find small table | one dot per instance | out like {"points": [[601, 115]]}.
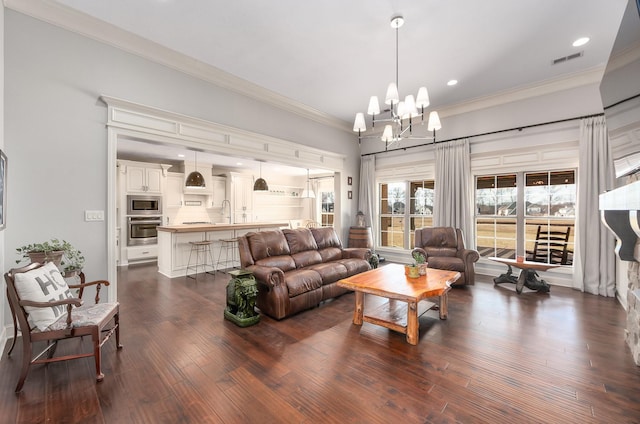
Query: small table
{"points": [[528, 276], [389, 281]]}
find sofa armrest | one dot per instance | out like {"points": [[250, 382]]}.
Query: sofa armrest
{"points": [[469, 256], [270, 276], [356, 252]]}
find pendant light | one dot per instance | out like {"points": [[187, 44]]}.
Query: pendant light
{"points": [[308, 193], [195, 179], [260, 184], [397, 127]]}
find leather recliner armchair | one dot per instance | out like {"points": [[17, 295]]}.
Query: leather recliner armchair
{"points": [[444, 249]]}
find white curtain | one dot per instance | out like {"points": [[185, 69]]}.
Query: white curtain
{"points": [[453, 181], [367, 191], [594, 258]]}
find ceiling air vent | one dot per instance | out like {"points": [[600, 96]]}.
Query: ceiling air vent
{"points": [[566, 58]]}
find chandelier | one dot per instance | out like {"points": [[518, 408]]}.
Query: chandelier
{"points": [[402, 114]]}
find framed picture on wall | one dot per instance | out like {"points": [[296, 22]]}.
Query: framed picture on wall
{"points": [[3, 190]]}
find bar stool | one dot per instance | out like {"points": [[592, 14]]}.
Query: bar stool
{"points": [[202, 250], [227, 245]]}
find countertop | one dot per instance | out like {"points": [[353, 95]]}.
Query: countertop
{"points": [[195, 228]]}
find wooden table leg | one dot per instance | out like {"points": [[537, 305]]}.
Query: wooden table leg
{"points": [[412, 323], [444, 305], [359, 310]]}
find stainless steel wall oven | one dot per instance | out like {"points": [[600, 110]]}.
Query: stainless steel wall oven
{"points": [[142, 230]]}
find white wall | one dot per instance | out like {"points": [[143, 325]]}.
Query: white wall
{"points": [[3, 267], [57, 140]]}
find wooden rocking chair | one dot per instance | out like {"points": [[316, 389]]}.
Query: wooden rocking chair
{"points": [[551, 246], [71, 319]]}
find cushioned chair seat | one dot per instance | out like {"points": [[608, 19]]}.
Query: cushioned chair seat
{"points": [[85, 316], [447, 263]]}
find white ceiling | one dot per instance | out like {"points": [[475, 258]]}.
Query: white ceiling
{"points": [[332, 55]]}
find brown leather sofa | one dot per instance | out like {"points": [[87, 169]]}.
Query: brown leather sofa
{"points": [[298, 268], [444, 249]]}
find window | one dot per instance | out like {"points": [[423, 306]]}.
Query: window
{"points": [[510, 208], [550, 199], [394, 215], [496, 206], [327, 206]]}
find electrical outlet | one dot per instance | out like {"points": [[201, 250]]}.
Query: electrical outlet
{"points": [[94, 215]]}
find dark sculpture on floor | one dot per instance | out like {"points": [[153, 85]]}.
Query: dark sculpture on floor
{"points": [[242, 292]]}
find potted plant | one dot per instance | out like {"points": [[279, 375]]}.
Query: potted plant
{"points": [[62, 253], [421, 262], [411, 270]]}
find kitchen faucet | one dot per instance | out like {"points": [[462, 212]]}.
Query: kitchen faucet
{"points": [[228, 203]]}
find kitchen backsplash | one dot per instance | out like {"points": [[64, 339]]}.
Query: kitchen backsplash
{"points": [[192, 214]]}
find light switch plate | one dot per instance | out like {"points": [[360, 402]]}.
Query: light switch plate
{"points": [[94, 215]]}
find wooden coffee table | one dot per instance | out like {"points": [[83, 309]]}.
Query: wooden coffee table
{"points": [[389, 281]]}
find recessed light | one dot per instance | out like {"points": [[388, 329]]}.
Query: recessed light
{"points": [[581, 41], [180, 155], [239, 163], [452, 82]]}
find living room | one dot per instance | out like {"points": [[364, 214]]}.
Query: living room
{"points": [[54, 132]]}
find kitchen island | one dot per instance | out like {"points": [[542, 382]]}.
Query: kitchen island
{"points": [[174, 247]]}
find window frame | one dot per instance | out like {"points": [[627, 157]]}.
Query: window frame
{"points": [[521, 216]]}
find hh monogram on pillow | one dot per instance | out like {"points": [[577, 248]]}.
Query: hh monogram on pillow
{"points": [[44, 284]]}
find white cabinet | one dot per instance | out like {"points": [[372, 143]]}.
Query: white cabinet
{"points": [[140, 177], [242, 198], [142, 253], [182, 248], [148, 180], [219, 187], [173, 190]]}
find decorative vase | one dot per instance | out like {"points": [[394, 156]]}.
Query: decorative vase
{"points": [[422, 269], [411, 271]]}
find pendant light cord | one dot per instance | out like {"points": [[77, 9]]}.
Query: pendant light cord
{"points": [[397, 58]]}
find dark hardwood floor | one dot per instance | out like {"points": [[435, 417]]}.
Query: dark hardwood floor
{"points": [[499, 358]]}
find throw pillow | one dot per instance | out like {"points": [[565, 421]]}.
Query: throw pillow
{"points": [[44, 284]]}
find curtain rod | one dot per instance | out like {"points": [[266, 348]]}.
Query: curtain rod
{"points": [[490, 132], [622, 101]]}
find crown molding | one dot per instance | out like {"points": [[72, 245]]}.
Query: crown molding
{"points": [[88, 26], [524, 92]]}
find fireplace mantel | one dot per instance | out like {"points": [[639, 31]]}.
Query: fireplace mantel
{"points": [[619, 210]]}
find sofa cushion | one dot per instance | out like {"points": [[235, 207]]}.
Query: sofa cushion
{"points": [[330, 254], [284, 262], [447, 263], [301, 281], [440, 251], [265, 244], [440, 237], [300, 240], [355, 266], [304, 259], [330, 272], [326, 237]]}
